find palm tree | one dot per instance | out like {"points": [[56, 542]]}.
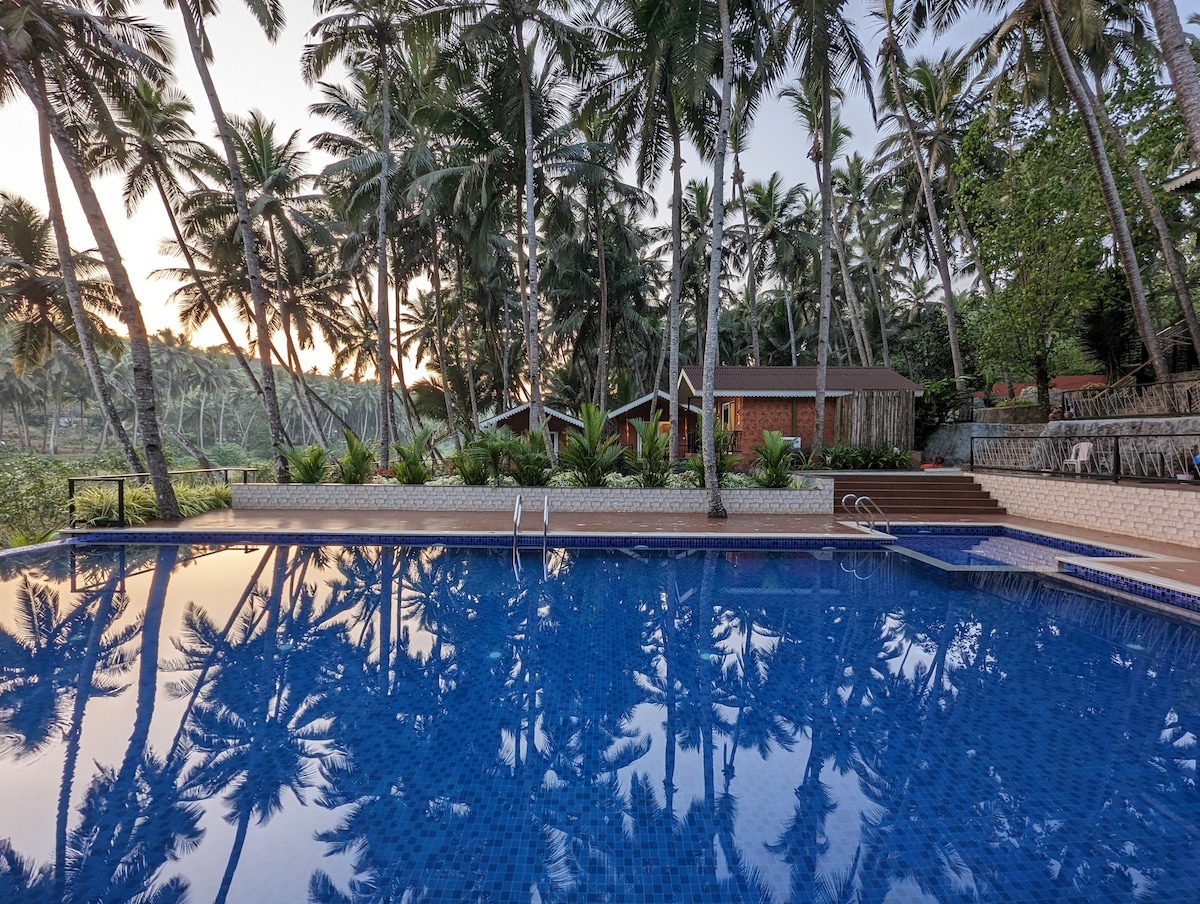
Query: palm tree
{"points": [[101, 48], [891, 54], [269, 14], [827, 49], [160, 146], [1177, 54], [364, 33]]}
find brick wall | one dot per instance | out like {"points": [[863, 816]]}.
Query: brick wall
{"points": [[756, 415], [385, 497], [1163, 513]]}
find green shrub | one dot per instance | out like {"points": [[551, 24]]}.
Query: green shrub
{"points": [[357, 465], [33, 494], [470, 466], [312, 464], [492, 447], [653, 464], [774, 461], [866, 458], [97, 506], [592, 452], [228, 455], [410, 466], [529, 460], [723, 439]]}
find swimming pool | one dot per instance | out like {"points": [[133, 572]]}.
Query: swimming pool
{"points": [[644, 725], [990, 546]]}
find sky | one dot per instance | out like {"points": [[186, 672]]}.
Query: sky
{"points": [[252, 74]]}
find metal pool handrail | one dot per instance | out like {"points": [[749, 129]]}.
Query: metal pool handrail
{"points": [[866, 509], [545, 536], [516, 530]]}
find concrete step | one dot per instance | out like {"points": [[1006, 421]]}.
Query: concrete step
{"points": [[901, 495]]}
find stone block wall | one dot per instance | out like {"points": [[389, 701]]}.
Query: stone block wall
{"points": [[1162, 513], [394, 497]]}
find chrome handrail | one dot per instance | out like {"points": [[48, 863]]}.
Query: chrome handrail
{"points": [[869, 508], [545, 536], [516, 530]]}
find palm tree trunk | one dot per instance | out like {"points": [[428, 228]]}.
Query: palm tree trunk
{"points": [[532, 333], [857, 321], [131, 312], [739, 188], [1177, 54], [884, 349], [676, 272], [384, 349], [890, 50], [791, 320], [821, 154], [601, 392], [1171, 257], [206, 296], [716, 507], [231, 865], [83, 328], [435, 277], [1108, 188], [191, 26]]}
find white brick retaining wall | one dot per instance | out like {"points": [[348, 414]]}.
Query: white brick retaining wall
{"points": [[395, 497], [1149, 512]]}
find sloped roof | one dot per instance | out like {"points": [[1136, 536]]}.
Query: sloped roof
{"points": [[512, 412], [1189, 179], [788, 382], [665, 396]]}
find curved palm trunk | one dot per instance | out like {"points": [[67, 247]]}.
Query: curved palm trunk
{"points": [[1182, 66], [676, 274], [791, 321], [716, 507], [884, 348], [206, 296], [83, 327], [191, 26], [1108, 188], [435, 277], [857, 322], [821, 155], [1171, 257], [532, 331], [384, 355], [131, 312], [891, 48]]}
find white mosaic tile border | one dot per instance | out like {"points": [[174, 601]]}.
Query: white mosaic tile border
{"points": [[1149, 512], [394, 497]]}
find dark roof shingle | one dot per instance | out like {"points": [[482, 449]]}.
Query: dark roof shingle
{"points": [[795, 381]]}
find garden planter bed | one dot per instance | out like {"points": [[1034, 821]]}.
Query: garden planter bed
{"points": [[395, 497]]}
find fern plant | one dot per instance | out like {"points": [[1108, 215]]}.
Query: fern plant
{"points": [[589, 452], [774, 461], [310, 464], [410, 466], [653, 464], [357, 465]]}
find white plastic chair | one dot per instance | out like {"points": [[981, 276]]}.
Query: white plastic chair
{"points": [[1078, 459]]}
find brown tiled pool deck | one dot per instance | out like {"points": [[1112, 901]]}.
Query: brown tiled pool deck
{"points": [[1168, 565]]}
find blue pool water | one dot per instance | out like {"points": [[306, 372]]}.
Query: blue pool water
{"points": [[995, 546], [642, 726]]}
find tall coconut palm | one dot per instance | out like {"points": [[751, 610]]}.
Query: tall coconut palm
{"points": [[821, 38], [160, 145], [891, 54], [270, 17], [364, 34], [61, 45], [716, 507], [512, 23], [1177, 54]]}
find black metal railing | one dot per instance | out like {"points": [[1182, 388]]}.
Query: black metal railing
{"points": [[733, 442], [1158, 458], [1180, 396], [202, 475]]}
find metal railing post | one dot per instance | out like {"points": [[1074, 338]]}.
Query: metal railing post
{"points": [[71, 501], [121, 502]]}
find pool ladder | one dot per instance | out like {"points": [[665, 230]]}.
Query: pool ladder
{"points": [[865, 510], [545, 538]]}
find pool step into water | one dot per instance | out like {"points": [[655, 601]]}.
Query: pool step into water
{"points": [[905, 495]]}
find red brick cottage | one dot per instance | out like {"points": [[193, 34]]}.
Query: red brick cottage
{"points": [[864, 406], [639, 409]]}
